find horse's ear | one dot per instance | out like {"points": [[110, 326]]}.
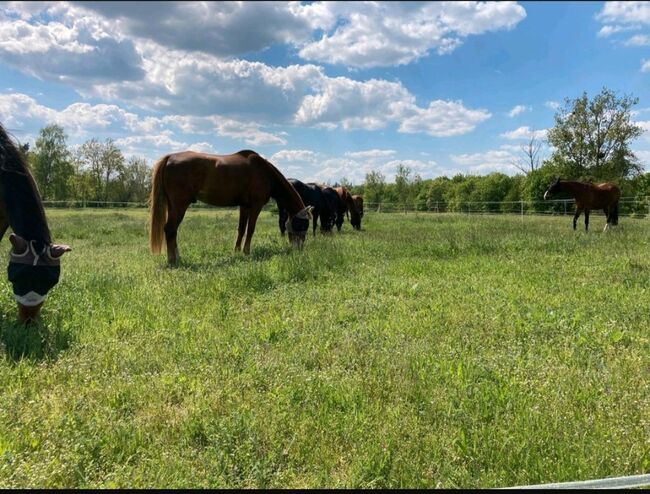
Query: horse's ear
{"points": [[57, 250], [18, 243]]}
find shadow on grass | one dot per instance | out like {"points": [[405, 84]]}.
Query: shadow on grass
{"points": [[33, 341]]}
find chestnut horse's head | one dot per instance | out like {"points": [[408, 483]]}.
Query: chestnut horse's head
{"points": [[553, 189], [33, 271], [297, 226]]}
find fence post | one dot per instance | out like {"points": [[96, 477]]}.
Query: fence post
{"points": [[522, 210]]}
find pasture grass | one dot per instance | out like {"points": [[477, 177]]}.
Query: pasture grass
{"points": [[442, 351]]}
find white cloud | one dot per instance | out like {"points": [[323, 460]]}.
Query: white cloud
{"points": [[638, 40], [518, 110], [627, 16], [644, 158], [372, 34], [442, 119], [625, 12], [645, 125], [496, 160], [552, 105], [294, 156], [606, 31], [371, 154], [246, 95], [524, 132], [60, 52]]}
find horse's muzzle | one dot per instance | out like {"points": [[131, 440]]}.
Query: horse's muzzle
{"points": [[28, 314]]}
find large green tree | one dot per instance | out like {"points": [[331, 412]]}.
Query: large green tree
{"points": [[51, 163], [374, 187], [592, 137], [104, 162]]}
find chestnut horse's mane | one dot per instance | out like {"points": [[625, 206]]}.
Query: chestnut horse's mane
{"points": [[282, 191], [20, 197]]}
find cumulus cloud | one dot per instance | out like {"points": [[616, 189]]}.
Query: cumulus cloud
{"points": [[638, 40], [371, 154], [294, 156], [608, 30], [442, 119], [626, 16], [524, 132], [625, 12], [355, 34], [373, 34], [63, 53], [518, 110], [552, 105], [221, 28], [146, 73], [496, 160]]}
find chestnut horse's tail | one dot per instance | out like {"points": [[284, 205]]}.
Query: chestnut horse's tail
{"points": [[157, 207], [613, 214]]}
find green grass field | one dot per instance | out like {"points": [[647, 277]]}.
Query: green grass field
{"points": [[425, 351]]}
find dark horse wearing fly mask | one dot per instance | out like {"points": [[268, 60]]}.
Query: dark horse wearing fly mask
{"points": [[34, 264]]}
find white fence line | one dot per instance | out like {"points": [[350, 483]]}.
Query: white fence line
{"points": [[628, 206], [629, 482]]}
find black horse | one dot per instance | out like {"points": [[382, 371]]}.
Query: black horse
{"points": [[310, 195], [34, 264], [333, 203]]}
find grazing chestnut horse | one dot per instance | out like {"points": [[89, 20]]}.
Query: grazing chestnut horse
{"points": [[243, 179], [311, 195], [358, 202], [35, 262], [589, 196], [346, 204]]}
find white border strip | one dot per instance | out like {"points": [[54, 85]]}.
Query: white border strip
{"points": [[610, 483]]}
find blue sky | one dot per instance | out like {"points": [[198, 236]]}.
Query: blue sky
{"points": [[325, 90]]}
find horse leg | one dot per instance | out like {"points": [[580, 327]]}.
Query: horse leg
{"points": [[175, 214], [252, 220], [315, 221], [576, 216], [607, 218], [586, 220], [282, 220], [4, 224], [243, 219]]}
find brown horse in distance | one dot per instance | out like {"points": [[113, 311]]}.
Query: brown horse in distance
{"points": [[346, 204], [589, 196], [243, 179]]}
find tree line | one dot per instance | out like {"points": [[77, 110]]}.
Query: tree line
{"points": [[590, 141], [93, 172]]}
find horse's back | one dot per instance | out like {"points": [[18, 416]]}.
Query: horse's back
{"points": [[220, 180], [608, 192]]}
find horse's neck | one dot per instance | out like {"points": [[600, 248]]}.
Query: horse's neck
{"points": [[573, 187], [282, 191], [22, 205]]}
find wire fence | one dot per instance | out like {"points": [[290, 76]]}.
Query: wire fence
{"points": [[628, 206]]}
